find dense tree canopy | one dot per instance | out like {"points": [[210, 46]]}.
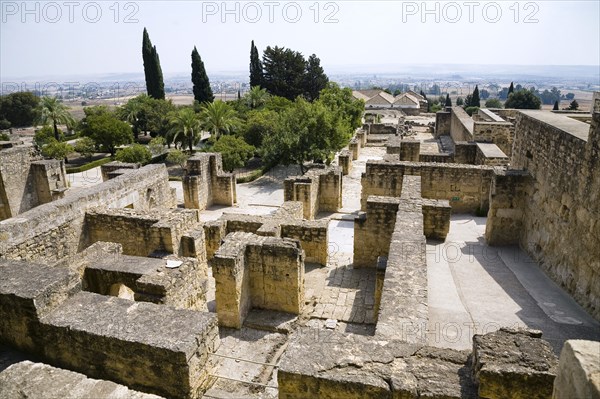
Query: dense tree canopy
{"points": [[103, 126], [522, 99], [19, 109], [136, 153], [315, 79], [283, 72], [234, 150]]}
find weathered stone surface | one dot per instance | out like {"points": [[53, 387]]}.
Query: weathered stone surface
{"points": [[150, 280], [140, 233], [206, 184], [257, 271], [145, 346], [28, 292], [55, 230], [578, 371], [28, 380], [513, 364], [319, 190], [328, 364]]}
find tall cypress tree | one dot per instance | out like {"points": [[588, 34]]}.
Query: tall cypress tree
{"points": [[555, 108], [475, 102], [256, 70], [448, 100], [202, 91], [152, 70], [511, 88]]}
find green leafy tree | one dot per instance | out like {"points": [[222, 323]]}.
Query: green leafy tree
{"points": [[555, 108], [342, 102], [448, 102], [135, 112], [256, 97], [460, 101], [523, 99], [57, 150], [259, 124], [570, 96], [234, 150], [105, 128], [315, 79], [45, 135], [152, 70], [54, 113], [85, 146], [493, 103], [283, 72], [185, 127], [19, 109], [574, 105], [278, 104], [202, 91], [135, 153], [475, 100], [256, 69], [218, 118], [177, 157]]}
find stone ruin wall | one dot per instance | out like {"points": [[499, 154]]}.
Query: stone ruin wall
{"points": [[319, 190], [556, 216], [206, 184], [27, 181], [465, 186], [461, 125], [56, 230], [140, 234], [499, 133]]}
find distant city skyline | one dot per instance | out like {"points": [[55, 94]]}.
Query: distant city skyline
{"points": [[83, 38]]}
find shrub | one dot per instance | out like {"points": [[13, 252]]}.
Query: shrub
{"points": [[45, 135], [136, 153], [493, 103], [4, 137], [157, 145], [56, 149], [85, 146], [177, 157], [471, 110]]}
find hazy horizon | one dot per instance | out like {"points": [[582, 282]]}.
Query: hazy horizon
{"points": [[98, 38]]}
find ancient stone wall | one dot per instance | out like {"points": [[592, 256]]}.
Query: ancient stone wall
{"points": [[490, 154], [49, 179], [465, 186], [55, 230], [436, 218], [206, 184], [318, 190], [438, 158], [17, 188], [465, 152], [381, 128], [108, 169], [254, 271], [409, 150], [140, 233], [330, 364], [443, 120], [461, 125], [499, 133], [578, 370], [563, 200], [373, 230], [313, 236], [345, 162], [45, 313]]}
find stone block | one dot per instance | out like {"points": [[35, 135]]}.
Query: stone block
{"points": [[513, 364]]}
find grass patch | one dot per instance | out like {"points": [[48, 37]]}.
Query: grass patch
{"points": [[88, 166]]}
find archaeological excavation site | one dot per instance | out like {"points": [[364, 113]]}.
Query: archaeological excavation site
{"points": [[439, 255]]}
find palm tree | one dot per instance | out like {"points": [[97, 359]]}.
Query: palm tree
{"points": [[185, 126], [54, 112], [256, 97], [218, 117]]}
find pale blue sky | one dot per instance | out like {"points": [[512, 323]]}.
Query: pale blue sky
{"points": [[366, 33]]}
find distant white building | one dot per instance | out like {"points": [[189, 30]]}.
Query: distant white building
{"points": [[410, 102]]}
